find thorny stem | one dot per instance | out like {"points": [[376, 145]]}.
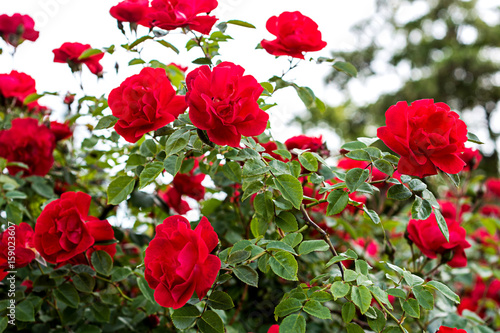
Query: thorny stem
{"points": [[325, 235], [198, 42]]}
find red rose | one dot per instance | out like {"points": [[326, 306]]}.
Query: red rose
{"points": [[449, 210], [134, 11], [61, 131], [490, 210], [17, 28], [178, 261], [427, 135], [274, 329], [62, 231], [29, 143], [173, 14], [295, 33], [29, 286], [16, 85], [101, 231], [429, 239], [493, 188], [71, 52], [144, 102], [472, 158], [445, 329], [483, 237], [69, 98], [224, 102], [24, 251], [304, 142]]}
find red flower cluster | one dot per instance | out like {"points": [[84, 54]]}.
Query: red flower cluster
{"points": [[493, 188], [173, 14], [429, 239], [480, 293], [446, 329], [144, 102], [29, 143], [184, 184], [70, 53], [450, 211], [17, 28], [178, 261], [223, 102], [133, 11], [64, 229], [427, 135], [295, 33], [472, 158], [24, 251]]}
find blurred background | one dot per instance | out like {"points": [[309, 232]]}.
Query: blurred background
{"points": [[447, 50]]}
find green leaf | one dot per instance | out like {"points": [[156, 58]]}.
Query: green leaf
{"points": [[232, 170], [148, 148], [264, 206], [89, 53], [293, 239], [421, 209], [238, 256], [294, 323], [14, 212], [247, 275], [355, 177], [455, 179], [31, 98], [290, 188], [4, 320], [308, 161], [284, 153], [337, 202], [314, 308], [185, 316], [447, 292], [354, 328], [202, 61], [241, 23], [380, 295], [348, 312], [220, 300], [287, 222], [284, 265], [371, 215], [377, 324], [258, 226], [278, 245], [424, 297], [120, 273], [67, 294], [384, 166], [312, 245], [339, 289], [412, 280], [346, 67], [136, 61], [176, 142], [396, 292], [359, 155], [412, 308], [119, 189], [25, 311], [145, 289], [150, 173], [361, 297], [287, 306], [41, 187], [168, 45], [84, 282], [473, 138], [101, 312], [443, 226], [173, 163], [321, 296], [106, 122], [353, 145], [138, 41], [210, 322], [399, 192], [417, 185], [102, 262]]}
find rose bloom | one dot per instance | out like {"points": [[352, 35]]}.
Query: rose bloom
{"points": [[17, 28], [144, 102], [472, 158], [29, 143], [184, 184], [16, 85], [70, 52], [62, 231], [304, 142], [493, 188], [445, 329], [479, 293], [133, 11], [24, 251], [173, 14], [61, 130], [295, 33], [178, 261], [427, 135], [428, 238], [223, 102], [490, 210], [449, 210]]}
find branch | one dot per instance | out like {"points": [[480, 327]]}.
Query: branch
{"points": [[325, 235]]}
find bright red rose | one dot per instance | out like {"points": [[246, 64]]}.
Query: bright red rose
{"points": [[445, 329], [427, 135], [29, 286], [61, 130], [16, 85], [449, 210], [295, 33], [304, 142], [24, 251], [472, 158], [144, 102], [429, 239], [17, 28], [482, 236], [70, 53], [133, 11], [274, 329], [69, 98], [493, 188], [173, 14], [178, 261], [62, 230], [223, 102], [101, 231], [490, 210], [29, 143]]}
